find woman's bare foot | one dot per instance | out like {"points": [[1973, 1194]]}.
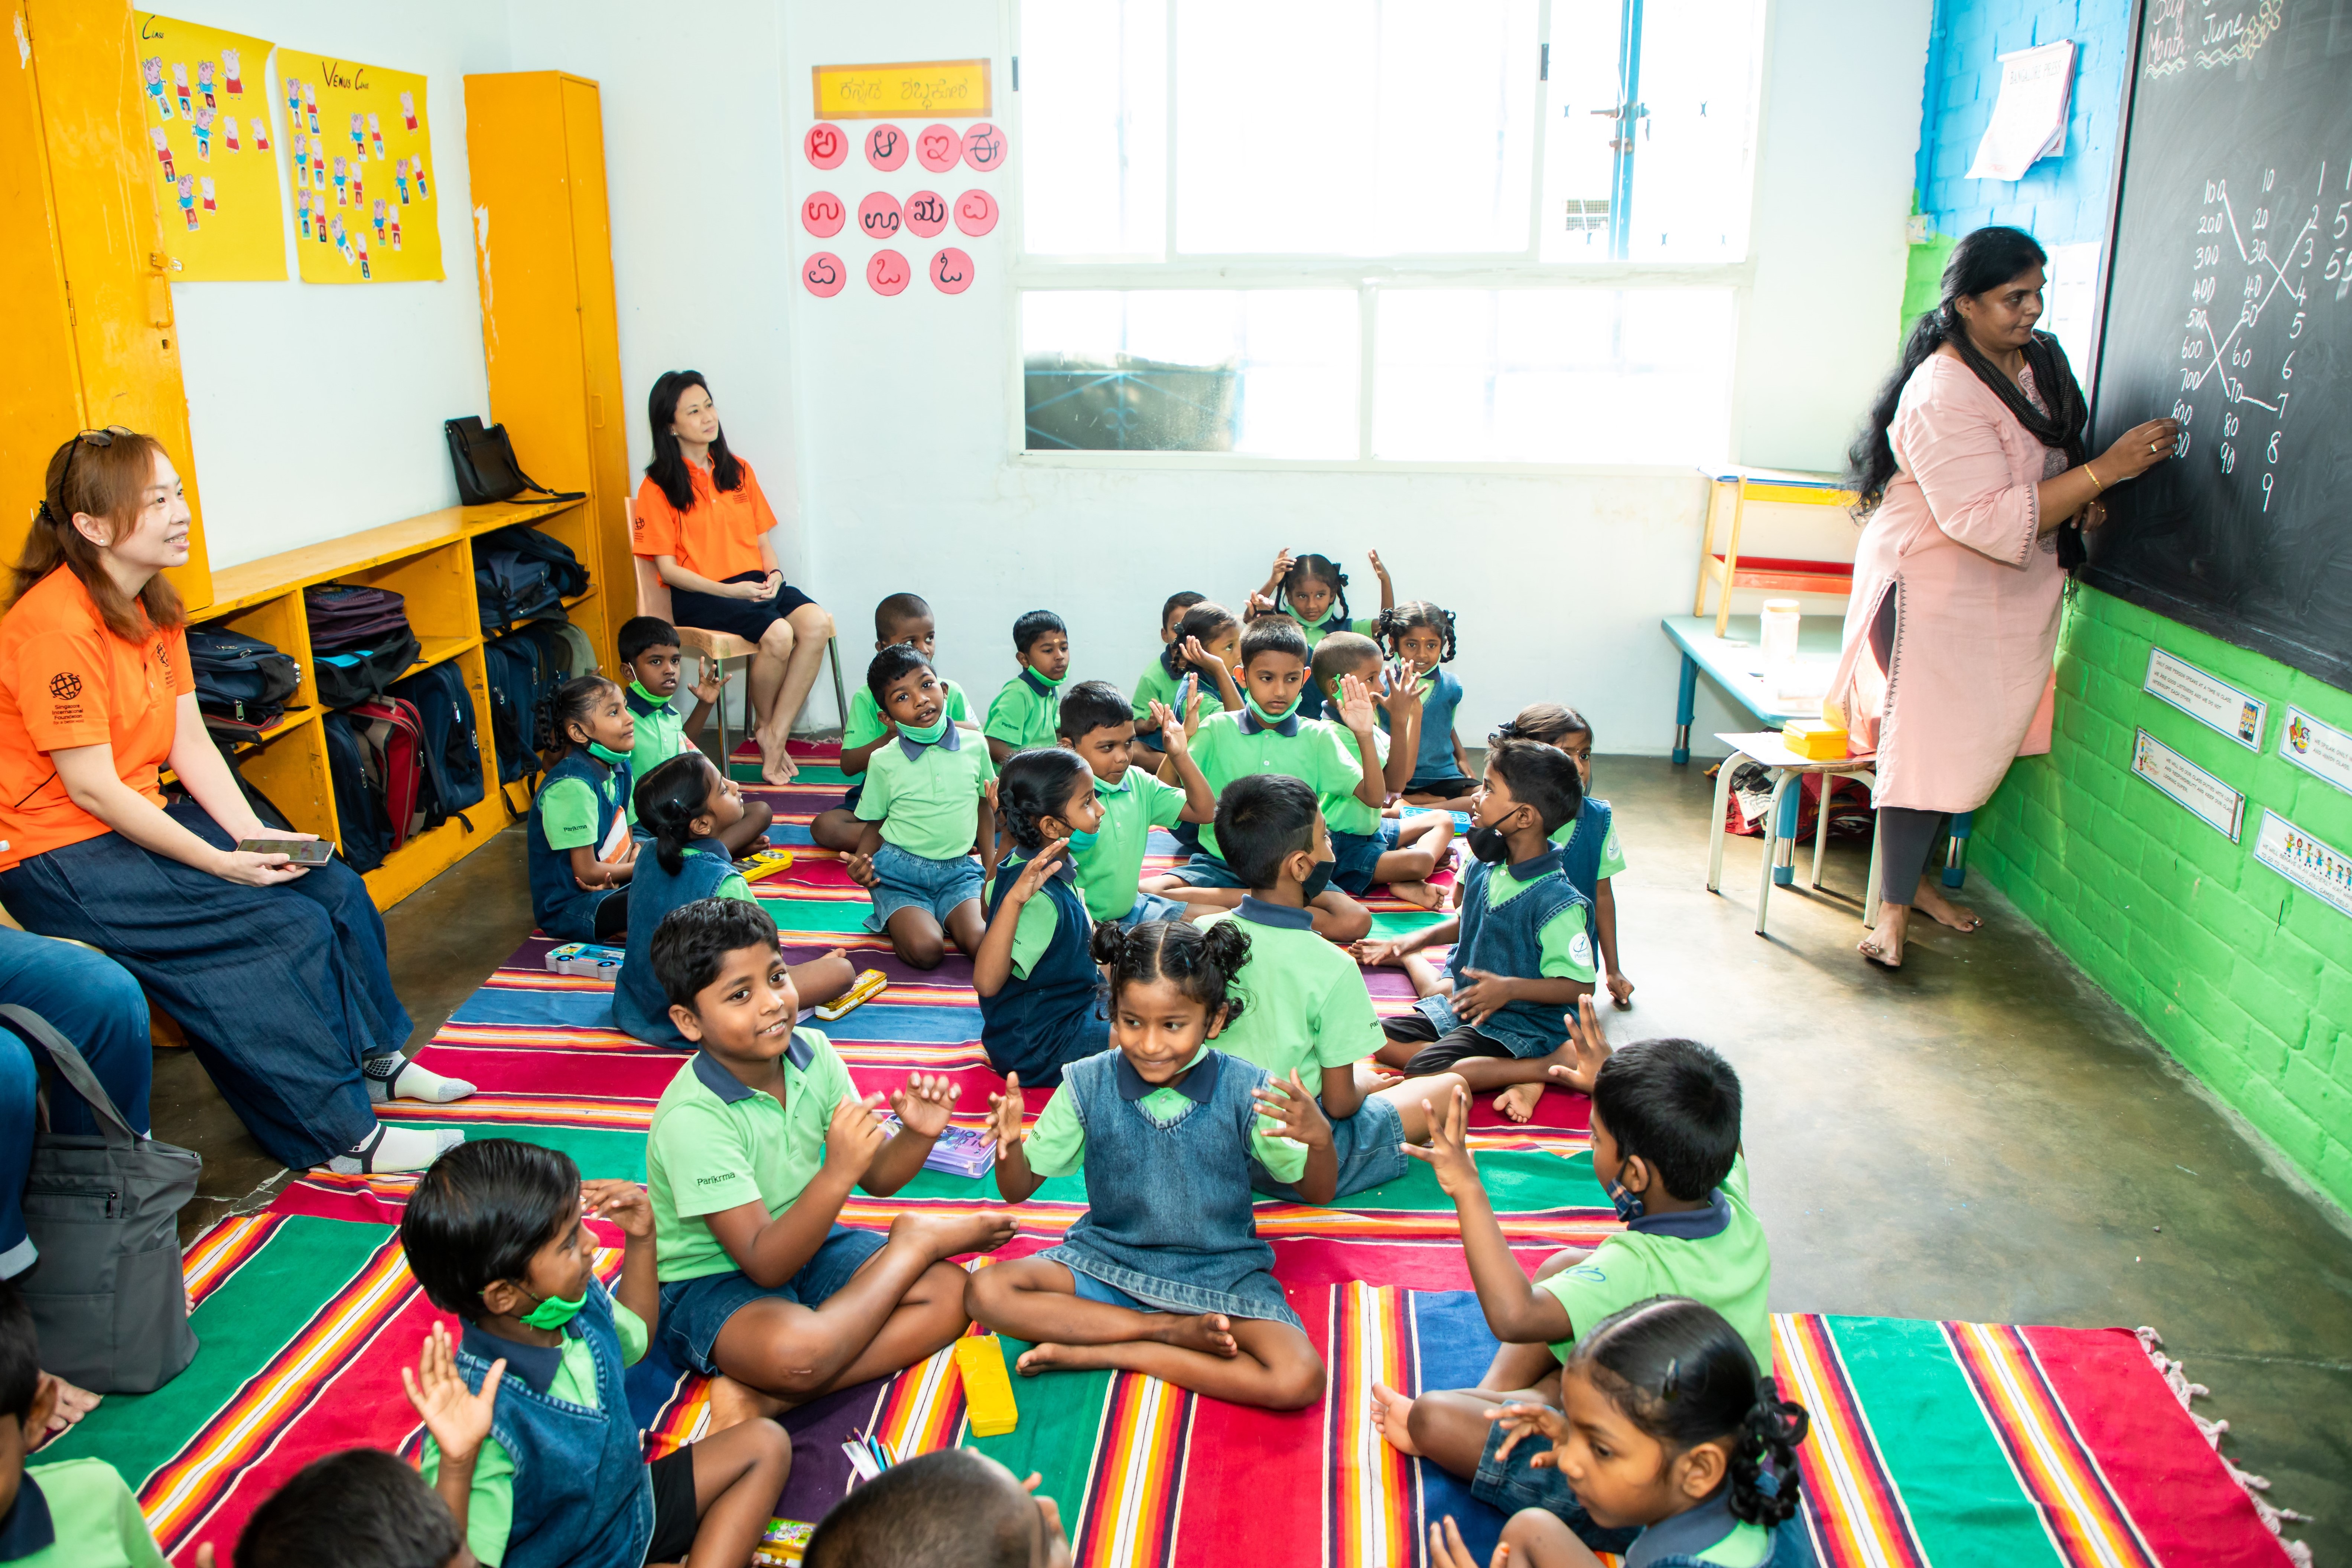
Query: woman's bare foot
{"points": [[1518, 1102], [1420, 893], [1392, 1413], [1884, 946], [953, 1235], [1930, 901], [72, 1404], [734, 1403]]}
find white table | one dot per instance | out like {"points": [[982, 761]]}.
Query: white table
{"points": [[1786, 767]]}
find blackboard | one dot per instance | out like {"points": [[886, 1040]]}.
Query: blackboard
{"points": [[2229, 306]]}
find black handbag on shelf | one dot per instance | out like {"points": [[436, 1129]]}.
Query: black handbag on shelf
{"points": [[485, 463]]}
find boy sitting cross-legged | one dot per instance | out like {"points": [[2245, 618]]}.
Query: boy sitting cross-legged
{"points": [[1522, 947], [1403, 850], [754, 1148], [656, 662], [1665, 1146], [1306, 1010], [1096, 724], [531, 1441]]}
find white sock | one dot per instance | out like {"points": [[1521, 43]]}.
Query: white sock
{"points": [[394, 1077], [393, 1150]]}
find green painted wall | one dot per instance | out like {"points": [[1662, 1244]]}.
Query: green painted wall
{"points": [[2241, 973]]}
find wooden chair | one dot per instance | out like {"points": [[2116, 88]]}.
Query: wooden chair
{"points": [[726, 650], [1729, 489]]}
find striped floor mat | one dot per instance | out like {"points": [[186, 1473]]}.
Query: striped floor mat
{"points": [[1951, 1443]]}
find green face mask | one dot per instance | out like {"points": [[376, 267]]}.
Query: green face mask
{"points": [[606, 754], [639, 687], [1268, 719], [553, 1312], [929, 737]]}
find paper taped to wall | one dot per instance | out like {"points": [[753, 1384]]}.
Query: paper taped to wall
{"points": [[2029, 118]]}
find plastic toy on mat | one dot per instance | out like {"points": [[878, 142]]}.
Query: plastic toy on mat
{"points": [[957, 1151], [586, 959], [766, 862], [868, 986], [987, 1391], [782, 1543]]}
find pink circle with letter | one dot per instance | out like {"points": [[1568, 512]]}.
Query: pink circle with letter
{"points": [[937, 148], [878, 217], [927, 215], [951, 271], [975, 213], [983, 147], [822, 213], [885, 272], [885, 147], [824, 274], [826, 145]]}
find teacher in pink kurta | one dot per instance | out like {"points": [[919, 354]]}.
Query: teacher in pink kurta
{"points": [[1975, 485]]}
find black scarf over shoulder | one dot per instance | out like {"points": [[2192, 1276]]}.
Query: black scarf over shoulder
{"points": [[2061, 427]]}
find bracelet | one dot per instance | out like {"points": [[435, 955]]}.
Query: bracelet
{"points": [[2096, 485]]}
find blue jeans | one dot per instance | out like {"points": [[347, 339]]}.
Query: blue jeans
{"points": [[1512, 1484], [1154, 906], [96, 1004], [905, 880], [694, 1311], [283, 990]]}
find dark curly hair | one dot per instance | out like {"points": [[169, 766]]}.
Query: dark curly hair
{"points": [[893, 664], [1681, 1374], [1392, 624], [1031, 786], [1201, 961]]}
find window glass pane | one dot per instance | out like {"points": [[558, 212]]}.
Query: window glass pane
{"points": [[1691, 156], [1579, 121], [1268, 372], [1427, 147], [1094, 118], [1553, 375]]}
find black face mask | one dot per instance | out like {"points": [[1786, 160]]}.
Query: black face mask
{"points": [[1318, 879], [1490, 845]]}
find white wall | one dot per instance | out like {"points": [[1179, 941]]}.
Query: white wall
{"points": [[316, 411]]}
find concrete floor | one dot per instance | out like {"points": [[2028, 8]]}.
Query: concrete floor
{"points": [[1982, 1136]]}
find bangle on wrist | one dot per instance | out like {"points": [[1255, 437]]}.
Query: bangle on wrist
{"points": [[2096, 486]]}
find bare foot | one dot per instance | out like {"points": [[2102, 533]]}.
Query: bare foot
{"points": [[734, 1403], [1209, 1333], [1420, 893], [953, 1235], [72, 1404], [1392, 1413], [1518, 1102], [1884, 946], [776, 765], [1930, 901]]}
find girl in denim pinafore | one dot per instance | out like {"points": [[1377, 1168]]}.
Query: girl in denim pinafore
{"points": [[1165, 1273], [580, 850], [1033, 972], [1664, 1427]]}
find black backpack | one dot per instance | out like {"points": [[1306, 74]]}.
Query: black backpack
{"points": [[241, 678], [521, 574], [347, 615], [522, 672], [362, 674], [366, 831], [452, 751]]}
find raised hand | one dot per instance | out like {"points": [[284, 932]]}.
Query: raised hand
{"points": [[1448, 1152], [854, 1136], [924, 1103], [1040, 867], [1486, 992], [1372, 556], [710, 683], [1399, 693], [457, 1417], [1355, 704], [1171, 731], [1257, 604], [1004, 1113], [623, 1203], [1591, 1045], [1196, 653], [1294, 1111], [1531, 1420]]}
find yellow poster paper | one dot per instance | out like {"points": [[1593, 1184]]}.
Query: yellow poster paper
{"points": [[943, 89], [366, 189], [206, 105]]}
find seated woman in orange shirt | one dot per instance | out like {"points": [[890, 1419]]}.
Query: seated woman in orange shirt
{"points": [[277, 972], [703, 522]]}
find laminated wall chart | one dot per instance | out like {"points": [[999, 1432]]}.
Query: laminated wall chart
{"points": [[932, 163], [365, 185], [206, 106]]}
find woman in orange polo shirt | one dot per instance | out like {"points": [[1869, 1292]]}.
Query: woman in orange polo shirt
{"points": [[277, 972], [702, 520]]}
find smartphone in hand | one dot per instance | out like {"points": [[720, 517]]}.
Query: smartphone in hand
{"points": [[301, 852]]}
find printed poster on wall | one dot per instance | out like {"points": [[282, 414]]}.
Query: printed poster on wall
{"points": [[205, 101], [366, 188]]}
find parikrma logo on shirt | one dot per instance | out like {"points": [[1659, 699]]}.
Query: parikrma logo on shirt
{"points": [[66, 686]]}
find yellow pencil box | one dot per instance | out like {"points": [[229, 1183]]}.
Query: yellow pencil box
{"points": [[987, 1389], [868, 986], [1813, 740]]}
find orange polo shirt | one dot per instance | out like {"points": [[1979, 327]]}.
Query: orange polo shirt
{"points": [[67, 681], [716, 537]]}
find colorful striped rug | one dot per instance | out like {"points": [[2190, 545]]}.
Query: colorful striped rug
{"points": [[1950, 1443]]}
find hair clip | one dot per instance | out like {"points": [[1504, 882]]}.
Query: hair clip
{"points": [[1671, 1386]]}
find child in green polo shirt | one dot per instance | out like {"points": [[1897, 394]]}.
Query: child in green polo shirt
{"points": [[930, 797], [650, 648], [754, 1148], [63, 1515], [1269, 734], [1159, 682], [1404, 850], [1022, 715], [494, 1233], [1095, 723], [1665, 1146], [1307, 1009], [900, 618], [333, 1504]]}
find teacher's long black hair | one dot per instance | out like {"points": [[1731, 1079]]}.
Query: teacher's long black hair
{"points": [[668, 469], [1982, 261]]}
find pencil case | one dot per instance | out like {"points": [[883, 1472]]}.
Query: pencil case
{"points": [[870, 984]]}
